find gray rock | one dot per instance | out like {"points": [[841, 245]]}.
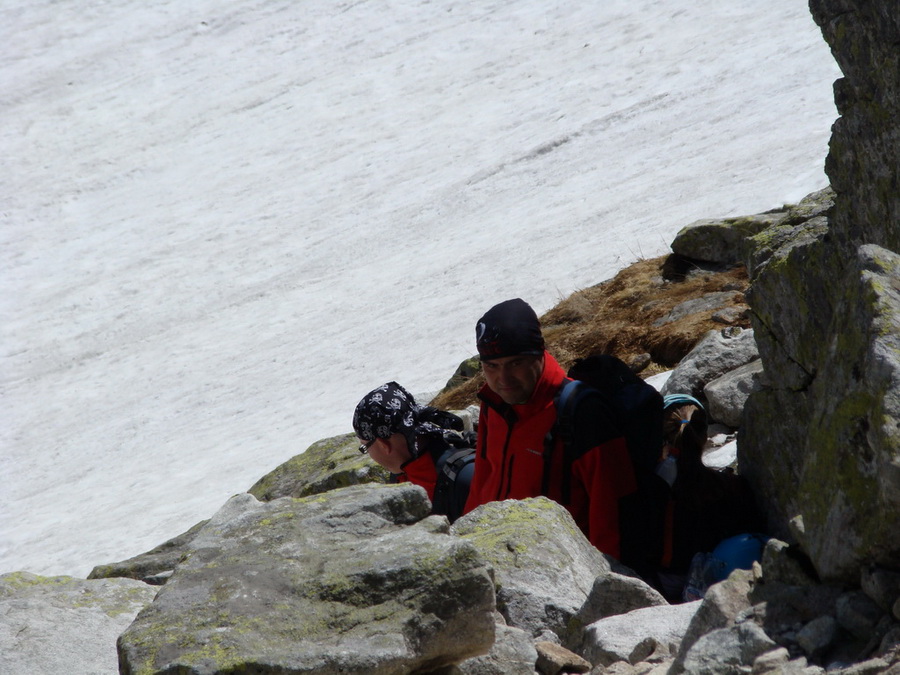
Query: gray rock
{"points": [[611, 595], [786, 564], [710, 302], [772, 661], [636, 635], [544, 567], [154, 566], [731, 315], [328, 464], [727, 394], [357, 580], [882, 585], [728, 650], [858, 614], [65, 625], [818, 635], [513, 653], [717, 353], [875, 666], [778, 662], [325, 465], [722, 240], [719, 608], [554, 659], [824, 298], [846, 435]]}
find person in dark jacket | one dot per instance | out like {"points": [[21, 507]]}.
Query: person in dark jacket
{"points": [[517, 412], [707, 505], [413, 442]]}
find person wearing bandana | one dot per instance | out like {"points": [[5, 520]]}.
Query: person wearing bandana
{"points": [[413, 442], [517, 413]]}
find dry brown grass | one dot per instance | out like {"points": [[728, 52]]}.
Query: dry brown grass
{"points": [[617, 317]]}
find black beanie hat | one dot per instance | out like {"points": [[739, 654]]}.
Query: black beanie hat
{"points": [[509, 329]]}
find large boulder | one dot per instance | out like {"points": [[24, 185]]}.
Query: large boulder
{"points": [[723, 240], [65, 625], [544, 567], [638, 635], [836, 475], [358, 580], [821, 444]]}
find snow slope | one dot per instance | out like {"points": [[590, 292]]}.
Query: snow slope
{"points": [[223, 222]]}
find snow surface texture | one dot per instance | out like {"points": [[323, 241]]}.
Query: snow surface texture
{"points": [[223, 222]]}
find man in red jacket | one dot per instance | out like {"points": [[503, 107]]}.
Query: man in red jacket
{"points": [[518, 412]]}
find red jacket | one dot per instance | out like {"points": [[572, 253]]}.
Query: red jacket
{"points": [[510, 460]]}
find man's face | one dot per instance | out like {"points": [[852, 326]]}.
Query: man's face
{"points": [[513, 378]]}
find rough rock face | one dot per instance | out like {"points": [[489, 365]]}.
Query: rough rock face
{"points": [[544, 567], [360, 581], [822, 443], [65, 625]]}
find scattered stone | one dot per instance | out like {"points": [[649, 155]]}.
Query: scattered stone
{"points": [[786, 564], [771, 662], [717, 353], [724, 651], [727, 394], [818, 635], [731, 315], [718, 609], [554, 659], [513, 653], [611, 595], [638, 634], [882, 585], [710, 302], [858, 614]]}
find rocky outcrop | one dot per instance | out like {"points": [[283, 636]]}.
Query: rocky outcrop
{"points": [[359, 581], [821, 443]]}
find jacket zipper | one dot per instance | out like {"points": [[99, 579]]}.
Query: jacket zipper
{"points": [[507, 465]]}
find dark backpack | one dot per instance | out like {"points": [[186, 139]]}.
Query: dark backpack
{"points": [[455, 466], [638, 408], [637, 405]]}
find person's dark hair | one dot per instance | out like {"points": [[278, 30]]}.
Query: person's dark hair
{"points": [[685, 428]]}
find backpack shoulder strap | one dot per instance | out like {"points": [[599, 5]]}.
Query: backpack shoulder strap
{"points": [[566, 402]]}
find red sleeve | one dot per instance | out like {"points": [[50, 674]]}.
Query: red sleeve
{"points": [[602, 475], [482, 468], [421, 471]]}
